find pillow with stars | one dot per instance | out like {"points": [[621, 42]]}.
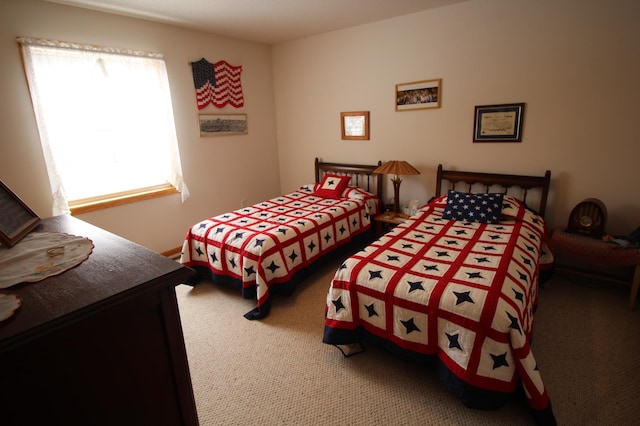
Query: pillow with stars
{"points": [[482, 208], [332, 186]]}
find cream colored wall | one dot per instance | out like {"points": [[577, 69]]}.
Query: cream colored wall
{"points": [[220, 171], [574, 63]]}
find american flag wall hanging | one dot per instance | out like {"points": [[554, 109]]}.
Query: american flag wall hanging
{"points": [[217, 84]]}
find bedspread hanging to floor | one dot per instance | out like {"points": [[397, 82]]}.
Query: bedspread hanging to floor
{"points": [[461, 292], [265, 245]]}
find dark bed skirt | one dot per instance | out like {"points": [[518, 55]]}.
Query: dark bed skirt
{"points": [[284, 288], [470, 396]]}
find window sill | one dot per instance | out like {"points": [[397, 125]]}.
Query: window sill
{"points": [[89, 205]]}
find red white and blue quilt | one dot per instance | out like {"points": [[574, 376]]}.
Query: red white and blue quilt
{"points": [[457, 292], [266, 244]]}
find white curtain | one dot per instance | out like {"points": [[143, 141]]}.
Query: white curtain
{"points": [[105, 119]]}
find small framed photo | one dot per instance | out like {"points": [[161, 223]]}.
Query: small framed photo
{"points": [[222, 124], [16, 218], [355, 125], [424, 94], [498, 123]]}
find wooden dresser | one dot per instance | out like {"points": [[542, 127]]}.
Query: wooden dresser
{"points": [[100, 344]]}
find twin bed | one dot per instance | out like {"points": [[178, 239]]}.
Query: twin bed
{"points": [[455, 284], [268, 247]]}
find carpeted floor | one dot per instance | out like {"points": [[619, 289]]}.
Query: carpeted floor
{"points": [[277, 371]]}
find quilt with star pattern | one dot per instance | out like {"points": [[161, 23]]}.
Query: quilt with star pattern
{"points": [[263, 246], [459, 293]]}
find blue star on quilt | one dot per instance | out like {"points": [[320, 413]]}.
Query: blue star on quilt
{"points": [[518, 295], [273, 267], [371, 309], [453, 341], [475, 275], [410, 326], [463, 297], [375, 274], [514, 323], [415, 285], [499, 360]]}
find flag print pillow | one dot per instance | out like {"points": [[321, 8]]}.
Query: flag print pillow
{"points": [[482, 208]]}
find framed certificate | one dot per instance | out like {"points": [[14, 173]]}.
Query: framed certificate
{"points": [[498, 123]]}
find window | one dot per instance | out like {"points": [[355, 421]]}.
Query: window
{"points": [[105, 120]]}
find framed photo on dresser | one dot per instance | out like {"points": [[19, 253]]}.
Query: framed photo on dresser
{"points": [[16, 218]]}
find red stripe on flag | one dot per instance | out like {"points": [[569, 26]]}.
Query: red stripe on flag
{"points": [[228, 88]]}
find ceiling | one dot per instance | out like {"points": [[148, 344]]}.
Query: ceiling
{"points": [[262, 21]]}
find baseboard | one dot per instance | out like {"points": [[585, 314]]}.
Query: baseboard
{"points": [[174, 253], [599, 274]]}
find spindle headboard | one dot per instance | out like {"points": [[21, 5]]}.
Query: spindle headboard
{"points": [[470, 181], [362, 175]]}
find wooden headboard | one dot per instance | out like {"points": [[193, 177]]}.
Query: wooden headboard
{"points": [[489, 180], [362, 175]]}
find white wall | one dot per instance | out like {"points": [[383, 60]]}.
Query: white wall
{"points": [[575, 64], [219, 171]]}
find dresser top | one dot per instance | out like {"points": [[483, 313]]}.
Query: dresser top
{"points": [[116, 271]]}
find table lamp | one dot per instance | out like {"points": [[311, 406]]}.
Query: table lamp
{"points": [[396, 168]]}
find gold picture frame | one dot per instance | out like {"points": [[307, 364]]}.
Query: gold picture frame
{"points": [[425, 94], [354, 125], [16, 218]]}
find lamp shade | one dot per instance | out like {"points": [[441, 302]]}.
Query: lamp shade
{"points": [[396, 167]]}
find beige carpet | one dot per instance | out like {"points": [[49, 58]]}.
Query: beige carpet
{"points": [[277, 371]]}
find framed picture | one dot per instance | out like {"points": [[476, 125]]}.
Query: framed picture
{"points": [[355, 125], [222, 124], [419, 95], [498, 123], [16, 218]]}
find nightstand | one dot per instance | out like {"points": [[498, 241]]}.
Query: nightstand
{"points": [[591, 252], [388, 220]]}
